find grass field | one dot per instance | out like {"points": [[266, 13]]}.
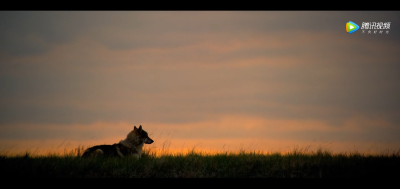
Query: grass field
{"points": [[194, 164]]}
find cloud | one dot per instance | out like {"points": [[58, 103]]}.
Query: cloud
{"points": [[28, 33], [83, 81]]}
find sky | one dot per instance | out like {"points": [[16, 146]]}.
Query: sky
{"points": [[270, 81]]}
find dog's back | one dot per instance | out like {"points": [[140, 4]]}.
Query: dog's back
{"points": [[101, 150]]}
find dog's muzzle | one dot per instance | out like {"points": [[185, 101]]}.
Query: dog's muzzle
{"points": [[148, 141]]}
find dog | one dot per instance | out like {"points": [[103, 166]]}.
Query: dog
{"points": [[131, 146]]}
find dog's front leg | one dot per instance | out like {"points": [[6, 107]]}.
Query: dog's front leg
{"points": [[119, 152]]}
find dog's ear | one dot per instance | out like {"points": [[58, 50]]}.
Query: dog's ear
{"points": [[140, 127], [135, 128]]}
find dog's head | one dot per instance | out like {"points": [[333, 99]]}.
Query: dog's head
{"points": [[143, 135]]}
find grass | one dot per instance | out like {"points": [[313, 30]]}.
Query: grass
{"points": [[298, 163]]}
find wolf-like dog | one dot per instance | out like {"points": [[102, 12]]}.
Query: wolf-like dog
{"points": [[131, 146]]}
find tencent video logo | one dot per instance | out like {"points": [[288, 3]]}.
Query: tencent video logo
{"points": [[351, 27]]}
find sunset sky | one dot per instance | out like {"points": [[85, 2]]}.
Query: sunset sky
{"points": [[210, 80]]}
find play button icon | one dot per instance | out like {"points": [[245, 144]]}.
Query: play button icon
{"points": [[351, 27]]}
